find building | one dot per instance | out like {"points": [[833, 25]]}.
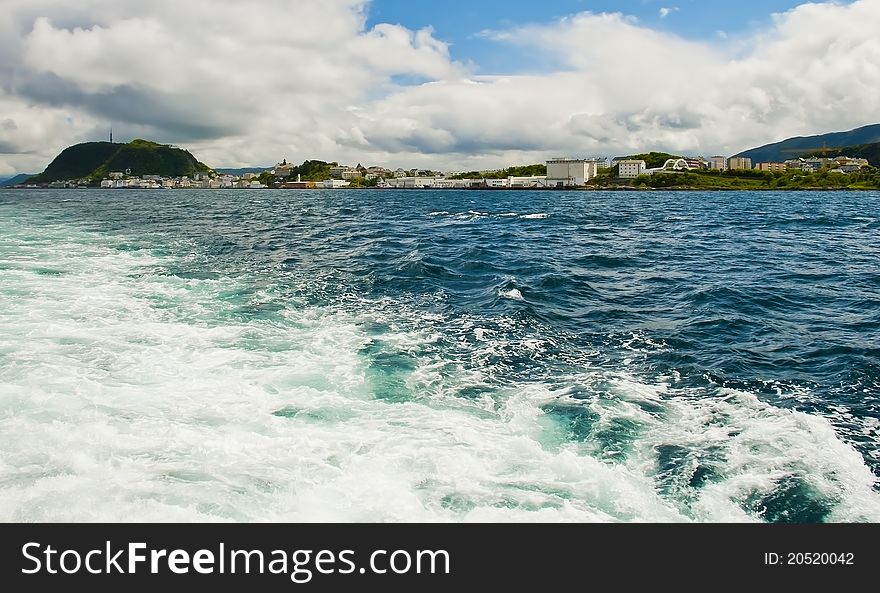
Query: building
{"points": [[282, 169], [735, 163], [718, 163], [350, 174], [696, 163], [775, 167], [563, 172], [299, 184], [534, 181], [814, 164], [630, 169], [846, 164], [337, 171]]}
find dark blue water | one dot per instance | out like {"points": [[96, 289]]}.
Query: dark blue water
{"points": [[724, 346]]}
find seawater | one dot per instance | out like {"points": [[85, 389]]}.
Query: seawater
{"points": [[439, 356]]}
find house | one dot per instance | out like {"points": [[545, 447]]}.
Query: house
{"points": [[849, 165], [631, 168], [815, 164]]}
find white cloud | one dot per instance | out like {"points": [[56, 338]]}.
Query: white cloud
{"points": [[238, 82], [665, 12], [251, 83], [619, 86]]}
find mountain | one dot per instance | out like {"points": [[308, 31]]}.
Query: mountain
{"points": [[795, 147], [15, 180], [96, 159]]}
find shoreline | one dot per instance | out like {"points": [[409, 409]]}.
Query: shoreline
{"points": [[488, 189]]}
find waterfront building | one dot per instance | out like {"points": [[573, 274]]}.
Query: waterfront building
{"points": [[533, 181], [565, 172], [630, 168]]}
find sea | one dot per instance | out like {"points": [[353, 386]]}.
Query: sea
{"points": [[439, 356]]}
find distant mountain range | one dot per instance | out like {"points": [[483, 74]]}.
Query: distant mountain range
{"points": [[139, 157], [833, 144], [21, 178]]}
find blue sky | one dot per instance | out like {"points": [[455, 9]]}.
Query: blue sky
{"points": [[460, 22]]}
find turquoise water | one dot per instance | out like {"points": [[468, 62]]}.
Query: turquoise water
{"points": [[439, 356]]}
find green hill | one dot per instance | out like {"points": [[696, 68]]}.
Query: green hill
{"points": [[795, 147], [95, 160]]}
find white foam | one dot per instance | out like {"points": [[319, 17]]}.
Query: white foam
{"points": [[513, 294], [128, 395]]}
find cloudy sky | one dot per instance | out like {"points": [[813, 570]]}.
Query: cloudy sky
{"points": [[438, 84]]}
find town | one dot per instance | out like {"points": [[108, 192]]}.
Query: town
{"points": [[558, 173]]}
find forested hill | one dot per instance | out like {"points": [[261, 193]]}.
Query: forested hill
{"points": [[95, 160]]}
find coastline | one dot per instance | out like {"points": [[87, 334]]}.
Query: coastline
{"points": [[622, 188]]}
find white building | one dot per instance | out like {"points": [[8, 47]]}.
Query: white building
{"points": [[562, 172], [630, 169], [335, 184], [534, 181]]}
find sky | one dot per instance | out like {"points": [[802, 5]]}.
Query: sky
{"points": [[451, 85]]}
